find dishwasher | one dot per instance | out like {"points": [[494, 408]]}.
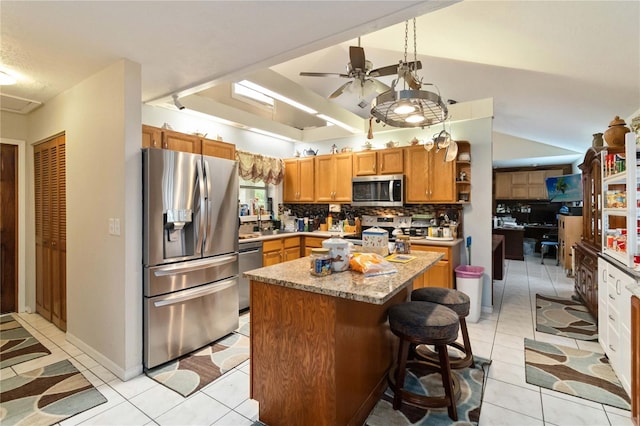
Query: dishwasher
{"points": [[249, 257]]}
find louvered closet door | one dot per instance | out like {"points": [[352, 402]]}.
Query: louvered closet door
{"points": [[50, 203]]}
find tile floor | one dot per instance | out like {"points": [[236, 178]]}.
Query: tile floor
{"points": [[508, 399]]}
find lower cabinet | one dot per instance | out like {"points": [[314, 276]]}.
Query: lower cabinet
{"points": [[614, 318], [635, 360], [586, 276], [280, 250], [442, 274], [312, 242]]}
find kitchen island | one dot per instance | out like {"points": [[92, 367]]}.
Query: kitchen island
{"points": [[321, 346]]}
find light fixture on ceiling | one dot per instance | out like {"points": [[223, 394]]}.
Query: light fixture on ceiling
{"points": [[409, 107], [177, 103], [278, 96], [6, 79]]}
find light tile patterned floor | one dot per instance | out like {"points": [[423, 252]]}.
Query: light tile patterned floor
{"points": [[508, 399]]}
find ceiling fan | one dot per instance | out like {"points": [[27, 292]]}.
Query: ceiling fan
{"points": [[361, 71]]}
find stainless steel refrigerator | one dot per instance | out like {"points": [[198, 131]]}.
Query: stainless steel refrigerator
{"points": [[190, 252]]}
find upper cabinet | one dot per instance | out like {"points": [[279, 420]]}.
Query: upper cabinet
{"points": [[298, 180], [378, 162], [333, 175], [524, 185], [429, 178], [155, 137], [219, 149]]}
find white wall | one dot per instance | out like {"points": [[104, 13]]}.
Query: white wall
{"points": [[101, 118]]}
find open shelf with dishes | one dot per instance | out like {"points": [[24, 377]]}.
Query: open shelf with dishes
{"points": [[620, 212], [463, 172]]}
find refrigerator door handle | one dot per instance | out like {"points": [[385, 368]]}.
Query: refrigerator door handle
{"points": [[201, 186], [209, 219], [196, 293], [194, 266]]}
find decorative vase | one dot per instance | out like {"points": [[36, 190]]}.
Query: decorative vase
{"points": [[614, 135], [597, 140]]}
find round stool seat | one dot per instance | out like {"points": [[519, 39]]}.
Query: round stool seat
{"points": [[455, 300], [424, 321]]}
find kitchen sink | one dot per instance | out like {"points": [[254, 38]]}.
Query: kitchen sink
{"points": [[274, 232]]}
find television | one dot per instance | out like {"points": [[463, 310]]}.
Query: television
{"points": [[564, 188]]}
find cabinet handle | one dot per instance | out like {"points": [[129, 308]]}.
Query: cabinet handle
{"points": [[618, 287], [604, 276], [374, 168], [611, 297], [612, 348], [612, 318]]}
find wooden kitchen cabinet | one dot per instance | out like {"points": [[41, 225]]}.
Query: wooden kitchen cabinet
{"points": [[442, 274], [51, 230], [151, 137], [586, 276], [298, 180], [378, 162], [219, 149], [332, 178], [311, 243], [428, 178], [280, 250], [523, 185], [177, 141], [635, 360], [569, 233]]}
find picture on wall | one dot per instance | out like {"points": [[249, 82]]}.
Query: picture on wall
{"points": [[564, 188]]}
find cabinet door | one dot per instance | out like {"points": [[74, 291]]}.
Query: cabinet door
{"points": [[151, 137], [177, 141], [520, 178], [537, 177], [390, 161], [438, 276], [441, 178], [364, 163], [537, 192], [219, 149], [290, 181], [342, 173], [306, 177], [635, 360], [416, 171], [503, 186], [519, 192], [291, 253], [271, 258]]}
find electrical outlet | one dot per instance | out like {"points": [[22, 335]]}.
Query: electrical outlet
{"points": [[116, 226], [111, 226]]}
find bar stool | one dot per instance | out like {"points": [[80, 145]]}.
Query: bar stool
{"points": [[545, 245], [459, 303], [430, 324]]}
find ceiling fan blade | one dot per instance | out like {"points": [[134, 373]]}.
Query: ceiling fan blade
{"points": [[324, 74], [356, 56], [339, 90], [382, 71]]}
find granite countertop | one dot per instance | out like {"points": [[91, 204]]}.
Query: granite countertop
{"points": [[436, 242], [347, 285]]}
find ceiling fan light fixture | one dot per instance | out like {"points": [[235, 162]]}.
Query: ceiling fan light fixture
{"points": [[7, 79]]}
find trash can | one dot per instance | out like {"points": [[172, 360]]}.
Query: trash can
{"points": [[469, 281]]}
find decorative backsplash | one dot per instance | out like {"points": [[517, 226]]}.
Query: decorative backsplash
{"points": [[454, 211]]}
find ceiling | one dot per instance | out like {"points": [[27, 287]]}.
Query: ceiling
{"points": [[558, 71]]}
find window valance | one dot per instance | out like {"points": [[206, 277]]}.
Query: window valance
{"points": [[255, 167]]}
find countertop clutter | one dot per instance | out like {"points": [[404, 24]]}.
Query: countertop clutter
{"points": [[346, 285]]}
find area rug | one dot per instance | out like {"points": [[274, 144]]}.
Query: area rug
{"points": [[46, 395], [576, 372], [565, 317], [17, 344], [472, 381], [196, 370]]}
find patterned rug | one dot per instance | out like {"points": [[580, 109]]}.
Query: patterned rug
{"points": [[472, 381], [46, 395], [576, 372], [194, 371], [565, 317], [17, 344]]}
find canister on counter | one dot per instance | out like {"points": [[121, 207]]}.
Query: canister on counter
{"points": [[403, 244], [320, 262]]}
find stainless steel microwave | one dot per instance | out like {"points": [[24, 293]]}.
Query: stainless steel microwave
{"points": [[381, 190]]}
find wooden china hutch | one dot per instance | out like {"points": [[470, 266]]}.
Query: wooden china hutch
{"points": [[587, 249]]}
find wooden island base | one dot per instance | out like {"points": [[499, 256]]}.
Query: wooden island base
{"points": [[318, 359]]}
